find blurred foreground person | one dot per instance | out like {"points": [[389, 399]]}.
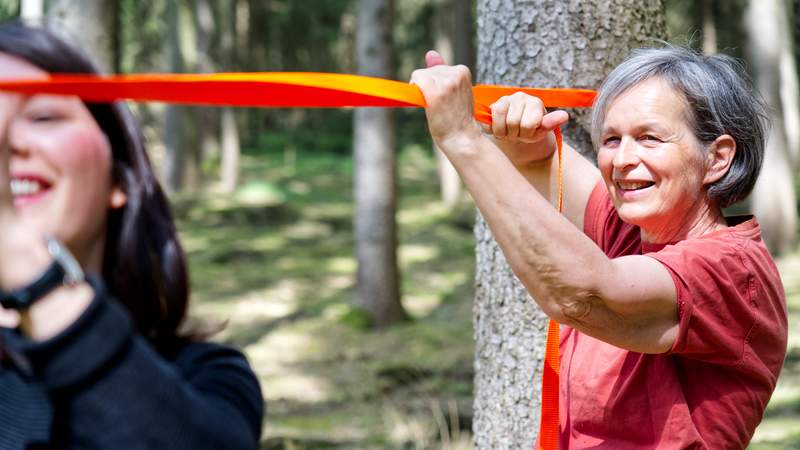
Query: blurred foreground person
{"points": [[93, 283]]}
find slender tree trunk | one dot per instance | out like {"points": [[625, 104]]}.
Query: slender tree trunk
{"points": [[774, 198], [378, 284], [709, 28], [89, 24], [32, 10], [447, 18], [544, 43], [231, 149], [174, 158]]}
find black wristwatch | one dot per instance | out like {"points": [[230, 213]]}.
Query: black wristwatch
{"points": [[64, 270]]}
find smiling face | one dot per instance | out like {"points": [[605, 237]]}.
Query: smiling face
{"points": [[654, 167], [60, 166]]}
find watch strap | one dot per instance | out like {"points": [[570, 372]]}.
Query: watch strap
{"points": [[23, 298]]}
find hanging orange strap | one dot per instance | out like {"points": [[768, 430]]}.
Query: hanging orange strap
{"points": [[316, 90], [548, 424]]}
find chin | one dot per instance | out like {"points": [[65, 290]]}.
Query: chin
{"points": [[634, 215]]}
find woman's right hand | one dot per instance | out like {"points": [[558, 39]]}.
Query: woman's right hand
{"points": [[523, 129]]}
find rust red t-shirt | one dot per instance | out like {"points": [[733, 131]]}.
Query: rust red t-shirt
{"points": [[710, 390]]}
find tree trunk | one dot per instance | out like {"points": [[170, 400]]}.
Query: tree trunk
{"points": [[774, 198], [452, 38], [377, 284], [89, 24], [32, 10], [174, 158], [231, 149], [709, 28], [543, 43]]}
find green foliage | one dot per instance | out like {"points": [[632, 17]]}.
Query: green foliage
{"points": [[9, 9]]}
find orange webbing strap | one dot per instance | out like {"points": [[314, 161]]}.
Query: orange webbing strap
{"points": [[274, 89], [306, 90], [548, 425]]}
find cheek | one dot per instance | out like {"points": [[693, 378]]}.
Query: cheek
{"points": [[83, 153], [604, 163]]}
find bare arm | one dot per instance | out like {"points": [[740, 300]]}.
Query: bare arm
{"points": [[629, 302]]}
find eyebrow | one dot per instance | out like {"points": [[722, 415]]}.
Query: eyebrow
{"points": [[649, 125]]}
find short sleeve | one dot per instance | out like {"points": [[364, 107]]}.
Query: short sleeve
{"points": [[715, 298], [602, 224]]}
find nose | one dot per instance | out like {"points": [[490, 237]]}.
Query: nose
{"points": [[626, 155]]}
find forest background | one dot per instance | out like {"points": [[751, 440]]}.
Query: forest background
{"points": [[335, 246]]}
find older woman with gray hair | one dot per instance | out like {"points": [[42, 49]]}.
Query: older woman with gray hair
{"points": [[673, 316]]}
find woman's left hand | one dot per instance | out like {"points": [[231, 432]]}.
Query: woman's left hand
{"points": [[449, 104]]}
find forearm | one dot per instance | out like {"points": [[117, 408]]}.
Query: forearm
{"points": [[563, 270]]}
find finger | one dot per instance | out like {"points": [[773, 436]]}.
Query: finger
{"points": [[9, 319], [514, 116], [6, 199], [555, 119], [531, 121], [433, 58], [499, 112]]}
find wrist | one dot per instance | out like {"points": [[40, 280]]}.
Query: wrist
{"points": [[460, 143]]}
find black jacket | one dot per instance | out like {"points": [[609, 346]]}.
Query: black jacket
{"points": [[100, 385]]}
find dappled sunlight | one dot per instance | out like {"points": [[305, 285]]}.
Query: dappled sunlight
{"points": [[306, 229], [413, 253], [422, 214], [340, 264], [295, 386]]}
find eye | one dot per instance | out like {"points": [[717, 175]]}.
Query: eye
{"points": [[611, 141], [44, 117], [650, 138]]}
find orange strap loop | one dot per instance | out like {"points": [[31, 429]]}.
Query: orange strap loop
{"points": [[317, 90]]}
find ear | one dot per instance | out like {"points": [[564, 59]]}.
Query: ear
{"points": [[719, 158], [118, 198]]}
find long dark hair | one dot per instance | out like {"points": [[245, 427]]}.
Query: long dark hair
{"points": [[144, 266]]}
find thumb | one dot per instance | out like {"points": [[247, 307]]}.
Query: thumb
{"points": [[433, 58], [555, 119]]}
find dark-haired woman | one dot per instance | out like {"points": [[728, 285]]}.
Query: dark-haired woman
{"points": [[93, 283]]}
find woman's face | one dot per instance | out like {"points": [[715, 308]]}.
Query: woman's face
{"points": [[60, 166], [651, 162]]}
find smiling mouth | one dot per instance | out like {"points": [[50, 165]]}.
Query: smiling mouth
{"points": [[634, 185], [27, 188]]}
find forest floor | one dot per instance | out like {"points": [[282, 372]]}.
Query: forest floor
{"points": [[274, 265]]}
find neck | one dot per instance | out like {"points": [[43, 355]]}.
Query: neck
{"points": [[705, 219]]}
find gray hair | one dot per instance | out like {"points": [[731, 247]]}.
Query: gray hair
{"points": [[719, 100]]}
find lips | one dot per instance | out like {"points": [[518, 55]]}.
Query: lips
{"points": [[28, 188], [629, 185]]}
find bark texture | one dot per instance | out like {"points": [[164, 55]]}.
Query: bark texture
{"points": [[542, 43], [377, 285], [769, 50]]}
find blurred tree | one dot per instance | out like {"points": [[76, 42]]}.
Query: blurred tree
{"points": [[454, 38], [32, 10], [378, 281], [90, 24], [230, 131], [547, 43], [709, 27], [773, 64], [173, 168]]}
